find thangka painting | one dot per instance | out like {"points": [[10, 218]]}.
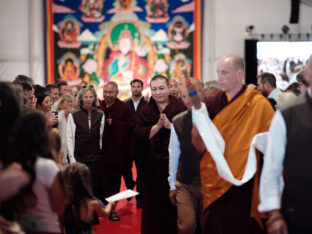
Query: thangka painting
{"points": [[95, 41]]}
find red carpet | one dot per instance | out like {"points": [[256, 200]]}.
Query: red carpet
{"points": [[130, 217]]}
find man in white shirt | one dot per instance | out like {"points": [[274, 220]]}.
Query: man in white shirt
{"points": [[54, 93], [135, 103], [267, 85], [63, 89], [288, 155], [184, 160]]}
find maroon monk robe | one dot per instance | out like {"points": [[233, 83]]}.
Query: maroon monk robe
{"points": [[159, 216], [234, 206], [117, 144]]}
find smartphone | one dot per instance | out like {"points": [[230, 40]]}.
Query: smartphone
{"points": [[54, 113]]}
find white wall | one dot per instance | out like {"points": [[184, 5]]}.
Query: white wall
{"points": [[21, 39], [21, 27], [225, 22]]}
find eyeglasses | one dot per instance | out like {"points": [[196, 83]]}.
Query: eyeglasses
{"points": [[86, 86], [48, 102]]}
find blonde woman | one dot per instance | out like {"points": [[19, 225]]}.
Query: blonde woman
{"points": [[64, 107], [84, 135]]}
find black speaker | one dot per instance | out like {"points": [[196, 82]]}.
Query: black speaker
{"points": [[294, 14], [251, 61]]}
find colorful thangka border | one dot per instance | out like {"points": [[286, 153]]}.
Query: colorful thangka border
{"points": [[95, 41]]}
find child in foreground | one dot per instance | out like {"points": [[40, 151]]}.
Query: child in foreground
{"points": [[79, 213]]}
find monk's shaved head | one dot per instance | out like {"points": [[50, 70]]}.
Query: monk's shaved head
{"points": [[236, 61], [112, 83], [230, 70], [159, 77]]}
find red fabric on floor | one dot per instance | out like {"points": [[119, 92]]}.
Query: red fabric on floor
{"points": [[130, 216]]}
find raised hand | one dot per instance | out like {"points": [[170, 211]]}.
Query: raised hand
{"points": [[166, 122]]}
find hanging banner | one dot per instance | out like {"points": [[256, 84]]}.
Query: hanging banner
{"points": [[95, 41]]}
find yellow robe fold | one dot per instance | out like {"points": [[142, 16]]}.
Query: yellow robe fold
{"points": [[238, 122]]}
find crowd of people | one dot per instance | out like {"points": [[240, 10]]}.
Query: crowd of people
{"points": [[199, 169]]}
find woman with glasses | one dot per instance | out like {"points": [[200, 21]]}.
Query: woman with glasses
{"points": [[44, 104]]}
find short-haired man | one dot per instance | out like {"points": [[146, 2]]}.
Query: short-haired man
{"points": [[117, 141], [136, 102], [288, 155], [63, 87], [54, 93], [239, 113], [30, 101], [267, 85], [26, 83], [211, 88], [23, 79], [153, 129], [184, 160]]}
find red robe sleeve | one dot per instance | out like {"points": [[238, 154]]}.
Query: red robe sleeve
{"points": [[117, 138]]}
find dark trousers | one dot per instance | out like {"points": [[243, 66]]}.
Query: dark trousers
{"points": [[111, 186], [95, 171], [159, 216], [139, 163], [128, 177], [296, 230], [110, 181], [230, 213], [291, 217], [95, 174]]}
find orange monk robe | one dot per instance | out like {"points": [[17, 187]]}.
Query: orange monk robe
{"points": [[249, 114]]}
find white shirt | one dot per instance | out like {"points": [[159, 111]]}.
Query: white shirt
{"points": [[275, 94], [71, 130], [136, 103], [62, 127], [55, 105], [270, 183], [271, 186], [174, 155], [41, 217]]}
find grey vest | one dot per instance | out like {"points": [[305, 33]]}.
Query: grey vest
{"points": [[297, 194], [87, 141], [188, 169]]}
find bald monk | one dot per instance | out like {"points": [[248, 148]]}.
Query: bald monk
{"points": [[153, 128], [117, 150], [239, 113]]}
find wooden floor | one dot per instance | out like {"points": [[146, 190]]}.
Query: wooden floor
{"points": [[130, 217]]}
